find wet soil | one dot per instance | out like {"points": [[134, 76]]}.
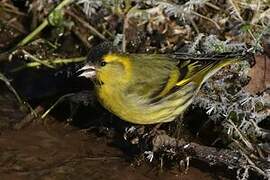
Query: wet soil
{"points": [[50, 149], [59, 152]]}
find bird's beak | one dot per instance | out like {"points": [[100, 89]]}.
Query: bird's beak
{"points": [[88, 71]]}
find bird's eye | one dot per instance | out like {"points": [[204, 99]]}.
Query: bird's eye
{"points": [[103, 63]]}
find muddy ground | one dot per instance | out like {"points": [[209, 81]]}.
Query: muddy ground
{"points": [[51, 149]]}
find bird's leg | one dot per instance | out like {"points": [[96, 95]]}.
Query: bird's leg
{"points": [[73, 110], [156, 131], [179, 127]]}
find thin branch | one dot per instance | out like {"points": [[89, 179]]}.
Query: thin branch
{"points": [[27, 54], [206, 18], [87, 25], [236, 10], [212, 6], [245, 141], [261, 16], [11, 9]]}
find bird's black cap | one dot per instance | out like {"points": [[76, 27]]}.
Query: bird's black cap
{"points": [[97, 52]]}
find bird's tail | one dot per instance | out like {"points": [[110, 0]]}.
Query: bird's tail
{"points": [[204, 72], [211, 69]]}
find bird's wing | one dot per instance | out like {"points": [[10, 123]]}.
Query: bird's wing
{"points": [[158, 76], [177, 78], [154, 75], [191, 72]]}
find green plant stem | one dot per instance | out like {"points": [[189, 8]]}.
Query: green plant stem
{"points": [[33, 34], [6, 81], [54, 62], [37, 60], [43, 24], [17, 96], [56, 103]]}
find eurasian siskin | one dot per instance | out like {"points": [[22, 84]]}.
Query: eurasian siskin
{"points": [[148, 88]]}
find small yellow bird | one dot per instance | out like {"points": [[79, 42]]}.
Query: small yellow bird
{"points": [[148, 89]]}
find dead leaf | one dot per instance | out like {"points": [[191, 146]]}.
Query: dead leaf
{"points": [[260, 75], [266, 44]]}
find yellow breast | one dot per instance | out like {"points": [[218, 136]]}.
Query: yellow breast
{"points": [[112, 100]]}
